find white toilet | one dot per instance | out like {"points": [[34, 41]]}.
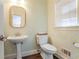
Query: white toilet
{"points": [[47, 50]]}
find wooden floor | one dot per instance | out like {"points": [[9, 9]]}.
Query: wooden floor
{"points": [[37, 56]]}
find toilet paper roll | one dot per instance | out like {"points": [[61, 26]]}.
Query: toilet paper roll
{"points": [[76, 44]]}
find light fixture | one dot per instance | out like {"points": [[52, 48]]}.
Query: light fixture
{"points": [[18, 1], [21, 1]]}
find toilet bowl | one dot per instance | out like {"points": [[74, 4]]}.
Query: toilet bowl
{"points": [[47, 50]]}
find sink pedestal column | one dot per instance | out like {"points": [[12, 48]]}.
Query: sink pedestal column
{"points": [[19, 56]]}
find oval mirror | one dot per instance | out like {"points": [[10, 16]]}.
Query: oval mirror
{"points": [[17, 16]]}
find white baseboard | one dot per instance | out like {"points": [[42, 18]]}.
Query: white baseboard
{"points": [[25, 53]]}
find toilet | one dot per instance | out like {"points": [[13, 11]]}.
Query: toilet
{"points": [[47, 50]]}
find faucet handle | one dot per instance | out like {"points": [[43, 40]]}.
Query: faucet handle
{"points": [[17, 34]]}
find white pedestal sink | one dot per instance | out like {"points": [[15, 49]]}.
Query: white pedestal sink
{"points": [[18, 40]]}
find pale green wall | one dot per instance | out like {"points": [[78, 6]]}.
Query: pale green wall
{"points": [[36, 22], [62, 37]]}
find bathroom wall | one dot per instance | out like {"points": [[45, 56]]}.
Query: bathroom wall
{"points": [[36, 21], [62, 37]]}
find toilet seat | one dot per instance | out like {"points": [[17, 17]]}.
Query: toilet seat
{"points": [[49, 48]]}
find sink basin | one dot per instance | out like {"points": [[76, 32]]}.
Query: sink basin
{"points": [[17, 39]]}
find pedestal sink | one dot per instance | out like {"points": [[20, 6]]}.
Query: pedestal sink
{"points": [[18, 40]]}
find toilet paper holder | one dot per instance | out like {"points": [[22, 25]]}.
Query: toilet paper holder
{"points": [[76, 44]]}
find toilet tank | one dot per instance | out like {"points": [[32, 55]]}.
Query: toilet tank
{"points": [[42, 39]]}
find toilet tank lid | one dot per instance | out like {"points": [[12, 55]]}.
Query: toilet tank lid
{"points": [[42, 33]]}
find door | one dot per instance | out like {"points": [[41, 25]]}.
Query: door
{"points": [[1, 31]]}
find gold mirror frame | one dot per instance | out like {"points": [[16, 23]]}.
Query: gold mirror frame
{"points": [[17, 11]]}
